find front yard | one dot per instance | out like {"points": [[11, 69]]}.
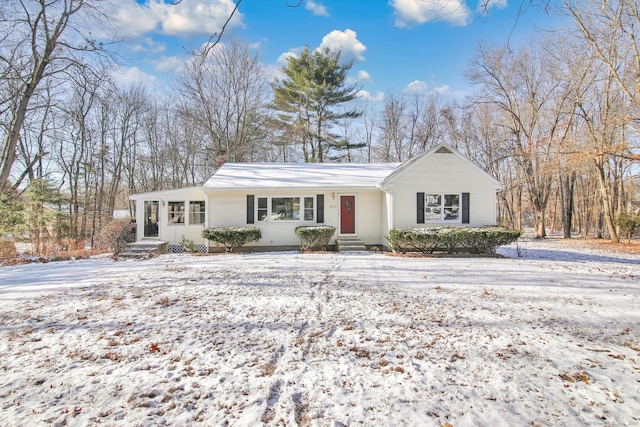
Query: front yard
{"points": [[548, 338]]}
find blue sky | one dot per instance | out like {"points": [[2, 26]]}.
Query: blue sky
{"points": [[398, 46]]}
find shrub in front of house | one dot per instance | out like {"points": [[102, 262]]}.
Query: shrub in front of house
{"points": [[315, 237], [232, 237], [475, 240]]}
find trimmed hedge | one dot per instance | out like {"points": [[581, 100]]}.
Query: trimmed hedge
{"points": [[475, 240], [315, 236], [232, 237]]}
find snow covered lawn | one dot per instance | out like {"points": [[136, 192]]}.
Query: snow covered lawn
{"points": [[548, 338]]}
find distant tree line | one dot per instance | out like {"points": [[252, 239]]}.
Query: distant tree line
{"points": [[555, 121]]}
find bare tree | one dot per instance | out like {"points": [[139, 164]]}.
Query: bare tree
{"points": [[224, 95], [612, 30], [531, 99], [41, 40], [75, 146], [369, 125], [427, 122], [393, 132], [128, 108], [602, 113]]}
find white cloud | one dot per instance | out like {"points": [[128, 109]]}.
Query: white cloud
{"points": [[149, 46], [132, 76], [169, 63], [419, 87], [416, 87], [185, 18], [498, 4], [442, 90], [283, 59], [210, 48], [316, 8], [274, 72], [416, 12], [131, 19], [365, 95], [195, 17], [446, 91], [347, 41], [364, 77]]}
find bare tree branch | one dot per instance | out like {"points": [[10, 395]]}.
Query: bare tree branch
{"points": [[217, 36]]}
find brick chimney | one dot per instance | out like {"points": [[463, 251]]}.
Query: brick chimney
{"points": [[222, 158]]}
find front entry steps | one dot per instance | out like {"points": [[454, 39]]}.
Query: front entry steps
{"points": [[350, 244], [144, 249]]}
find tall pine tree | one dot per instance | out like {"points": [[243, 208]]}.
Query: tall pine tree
{"points": [[315, 84]]}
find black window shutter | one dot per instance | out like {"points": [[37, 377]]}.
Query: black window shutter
{"points": [[420, 200], [465, 208], [320, 208], [250, 209]]}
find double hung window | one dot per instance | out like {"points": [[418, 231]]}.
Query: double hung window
{"points": [[196, 212], [442, 207], [176, 212]]}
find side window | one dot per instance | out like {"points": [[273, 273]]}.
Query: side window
{"points": [[196, 212], [308, 209], [433, 207], [176, 212], [263, 211], [451, 207]]}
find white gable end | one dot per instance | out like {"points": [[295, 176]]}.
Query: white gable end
{"points": [[439, 174]]}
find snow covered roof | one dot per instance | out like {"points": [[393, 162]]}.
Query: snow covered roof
{"points": [[233, 176], [162, 193]]}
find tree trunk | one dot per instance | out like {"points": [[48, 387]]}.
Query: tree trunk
{"points": [[607, 205], [567, 184], [540, 227]]}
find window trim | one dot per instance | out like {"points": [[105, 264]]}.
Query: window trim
{"points": [[268, 217]]}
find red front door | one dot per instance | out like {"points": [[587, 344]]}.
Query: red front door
{"points": [[347, 214]]}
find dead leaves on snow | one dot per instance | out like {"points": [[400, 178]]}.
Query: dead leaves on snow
{"points": [[578, 376]]}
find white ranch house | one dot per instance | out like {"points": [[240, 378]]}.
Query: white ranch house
{"points": [[363, 201]]}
